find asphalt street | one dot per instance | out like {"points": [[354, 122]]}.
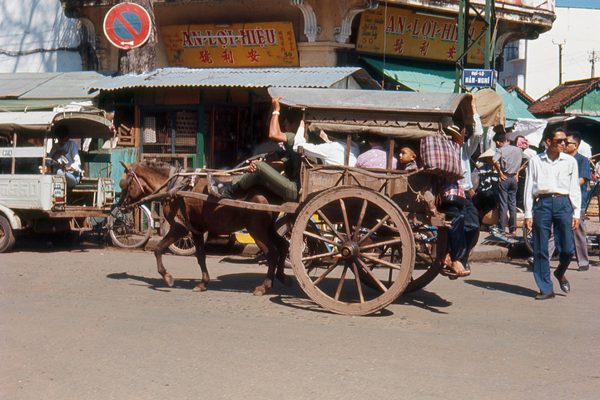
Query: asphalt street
{"points": [[98, 323]]}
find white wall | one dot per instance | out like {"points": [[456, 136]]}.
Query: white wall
{"points": [[579, 28], [27, 25]]}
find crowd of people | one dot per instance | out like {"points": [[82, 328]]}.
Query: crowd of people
{"points": [[554, 192]]}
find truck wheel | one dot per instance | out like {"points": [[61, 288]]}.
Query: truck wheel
{"points": [[7, 237]]}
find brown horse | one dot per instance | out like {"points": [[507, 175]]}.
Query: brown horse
{"points": [[197, 216]]}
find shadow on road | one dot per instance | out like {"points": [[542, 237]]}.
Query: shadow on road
{"points": [[245, 282], [503, 287], [426, 300]]}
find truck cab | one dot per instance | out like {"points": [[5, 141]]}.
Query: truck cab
{"points": [[34, 199]]}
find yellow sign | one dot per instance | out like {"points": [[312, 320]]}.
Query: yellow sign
{"points": [[410, 33], [264, 44]]}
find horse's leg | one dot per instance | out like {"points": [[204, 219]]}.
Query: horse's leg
{"points": [[201, 257], [175, 232], [283, 247], [269, 247]]}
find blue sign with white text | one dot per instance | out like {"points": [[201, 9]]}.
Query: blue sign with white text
{"points": [[479, 77]]}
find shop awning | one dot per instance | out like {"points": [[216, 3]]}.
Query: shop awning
{"points": [[44, 91], [439, 79], [338, 77]]}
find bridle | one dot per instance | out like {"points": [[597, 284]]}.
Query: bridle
{"points": [[131, 176]]}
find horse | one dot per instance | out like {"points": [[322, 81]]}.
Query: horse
{"points": [[197, 216]]}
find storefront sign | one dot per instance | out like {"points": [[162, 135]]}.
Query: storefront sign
{"points": [[263, 44], [415, 34]]}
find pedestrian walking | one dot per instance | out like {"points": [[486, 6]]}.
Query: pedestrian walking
{"points": [[553, 200], [507, 162], [585, 174]]}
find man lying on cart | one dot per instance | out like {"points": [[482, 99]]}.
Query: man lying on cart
{"points": [[268, 173]]}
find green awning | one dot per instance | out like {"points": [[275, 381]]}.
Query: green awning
{"points": [[416, 76], [439, 78]]}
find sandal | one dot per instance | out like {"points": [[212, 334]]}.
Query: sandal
{"points": [[446, 271], [459, 269]]}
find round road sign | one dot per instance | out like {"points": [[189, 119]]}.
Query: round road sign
{"points": [[127, 25]]}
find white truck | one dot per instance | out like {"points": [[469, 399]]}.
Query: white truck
{"points": [[33, 200]]}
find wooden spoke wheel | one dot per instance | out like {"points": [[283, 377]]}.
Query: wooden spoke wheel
{"points": [[431, 245], [353, 224], [310, 245], [430, 250]]}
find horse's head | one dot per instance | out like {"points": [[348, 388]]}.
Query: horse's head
{"points": [[133, 187], [141, 179]]}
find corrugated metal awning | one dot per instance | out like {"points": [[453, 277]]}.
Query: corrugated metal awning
{"points": [[48, 88], [239, 77], [371, 100]]}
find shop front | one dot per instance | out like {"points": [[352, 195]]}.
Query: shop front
{"points": [[205, 117]]}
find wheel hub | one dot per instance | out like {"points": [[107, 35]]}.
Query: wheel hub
{"points": [[349, 250]]}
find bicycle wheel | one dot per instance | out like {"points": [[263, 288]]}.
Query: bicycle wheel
{"points": [[130, 229]]}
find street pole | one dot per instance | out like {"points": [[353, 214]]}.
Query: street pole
{"points": [[593, 58], [560, 51]]}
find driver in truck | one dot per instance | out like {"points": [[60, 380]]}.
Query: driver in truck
{"points": [[64, 157]]}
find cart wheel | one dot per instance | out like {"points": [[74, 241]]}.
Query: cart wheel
{"points": [[185, 246], [311, 246], [354, 224], [430, 248], [7, 237], [130, 229], [430, 255]]}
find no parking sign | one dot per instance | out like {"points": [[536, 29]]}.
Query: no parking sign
{"points": [[127, 25]]}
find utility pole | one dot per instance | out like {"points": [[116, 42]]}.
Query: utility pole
{"points": [[467, 42], [594, 56], [560, 50]]}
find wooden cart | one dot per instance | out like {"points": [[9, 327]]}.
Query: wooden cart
{"points": [[359, 237]]}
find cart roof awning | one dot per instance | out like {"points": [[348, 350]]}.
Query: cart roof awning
{"points": [[80, 124], [438, 104], [342, 77], [408, 115]]}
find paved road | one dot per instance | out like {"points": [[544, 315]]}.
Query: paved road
{"points": [[99, 324]]}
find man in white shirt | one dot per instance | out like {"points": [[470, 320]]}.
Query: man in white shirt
{"points": [[553, 200]]}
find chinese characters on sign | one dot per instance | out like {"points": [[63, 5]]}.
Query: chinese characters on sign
{"points": [[266, 44], [411, 34]]}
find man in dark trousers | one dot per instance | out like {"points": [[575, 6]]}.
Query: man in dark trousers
{"points": [[553, 200], [507, 162], [585, 174]]}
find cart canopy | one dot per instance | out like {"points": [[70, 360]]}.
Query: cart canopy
{"points": [[409, 115], [80, 123]]}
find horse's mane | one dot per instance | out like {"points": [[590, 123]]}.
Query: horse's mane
{"points": [[159, 167]]}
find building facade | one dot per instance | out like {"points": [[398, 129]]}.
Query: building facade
{"points": [[568, 52], [257, 34], [36, 36]]}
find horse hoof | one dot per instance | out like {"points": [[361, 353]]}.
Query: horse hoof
{"points": [[168, 278], [201, 287], [259, 291]]}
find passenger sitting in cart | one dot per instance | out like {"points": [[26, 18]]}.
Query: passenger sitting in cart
{"points": [[408, 159], [268, 173], [64, 158], [376, 156]]}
